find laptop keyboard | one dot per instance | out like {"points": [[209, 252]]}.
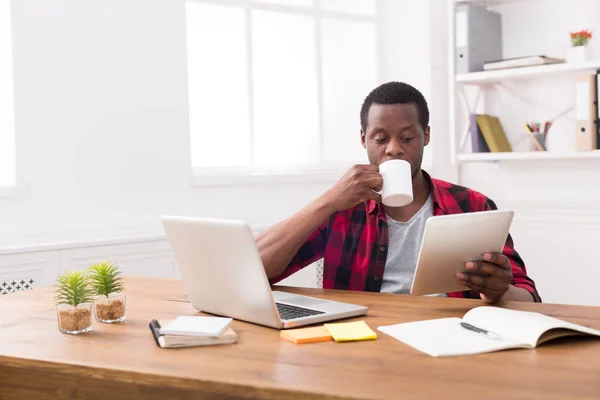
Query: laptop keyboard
{"points": [[291, 312]]}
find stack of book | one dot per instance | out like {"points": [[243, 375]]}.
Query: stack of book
{"points": [[191, 331], [487, 134]]}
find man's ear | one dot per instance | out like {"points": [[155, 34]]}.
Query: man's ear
{"points": [[363, 139], [427, 132]]}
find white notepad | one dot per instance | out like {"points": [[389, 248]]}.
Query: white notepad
{"points": [[507, 329], [197, 326]]}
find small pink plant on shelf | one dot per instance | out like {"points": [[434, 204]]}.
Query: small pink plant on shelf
{"points": [[579, 51], [580, 38]]}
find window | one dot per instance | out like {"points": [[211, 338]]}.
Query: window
{"points": [[7, 131], [275, 86]]}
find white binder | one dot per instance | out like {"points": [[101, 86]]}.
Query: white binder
{"points": [[586, 112], [478, 37]]}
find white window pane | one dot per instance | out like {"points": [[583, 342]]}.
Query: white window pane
{"points": [[7, 127], [349, 60], [364, 7], [218, 85], [295, 3], [285, 89]]}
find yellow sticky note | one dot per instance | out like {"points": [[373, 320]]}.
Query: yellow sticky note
{"points": [[306, 335], [349, 331]]}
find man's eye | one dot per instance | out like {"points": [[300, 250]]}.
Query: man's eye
{"points": [[408, 139], [379, 140]]}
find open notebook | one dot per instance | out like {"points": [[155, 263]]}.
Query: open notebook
{"points": [[484, 329]]}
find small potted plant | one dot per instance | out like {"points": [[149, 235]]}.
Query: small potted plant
{"points": [[579, 51], [74, 303], [107, 286]]}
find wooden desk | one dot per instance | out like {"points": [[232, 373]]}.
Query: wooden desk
{"points": [[122, 361]]}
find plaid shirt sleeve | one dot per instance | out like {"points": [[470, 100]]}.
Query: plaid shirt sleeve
{"points": [[312, 250], [520, 278]]}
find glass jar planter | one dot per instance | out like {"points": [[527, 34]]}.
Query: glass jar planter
{"points": [[74, 320], [111, 309]]}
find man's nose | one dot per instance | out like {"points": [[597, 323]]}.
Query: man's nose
{"points": [[394, 148]]}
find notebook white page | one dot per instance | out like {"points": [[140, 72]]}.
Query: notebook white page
{"points": [[523, 326], [515, 329], [197, 326], [445, 337]]}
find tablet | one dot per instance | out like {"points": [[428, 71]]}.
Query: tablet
{"points": [[449, 241]]}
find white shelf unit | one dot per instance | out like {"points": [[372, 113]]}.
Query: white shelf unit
{"points": [[486, 2], [565, 69], [486, 81], [527, 155]]}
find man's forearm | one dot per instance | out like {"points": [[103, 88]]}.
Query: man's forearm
{"points": [[517, 294], [279, 243]]}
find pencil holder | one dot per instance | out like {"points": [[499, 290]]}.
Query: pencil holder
{"points": [[538, 142]]}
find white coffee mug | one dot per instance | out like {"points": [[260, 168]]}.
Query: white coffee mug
{"points": [[397, 183]]}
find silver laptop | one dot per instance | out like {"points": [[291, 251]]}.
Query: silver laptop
{"points": [[224, 275]]}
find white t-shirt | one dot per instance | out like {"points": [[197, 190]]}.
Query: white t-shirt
{"points": [[403, 250]]}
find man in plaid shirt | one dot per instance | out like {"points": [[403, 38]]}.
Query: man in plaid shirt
{"points": [[372, 247]]}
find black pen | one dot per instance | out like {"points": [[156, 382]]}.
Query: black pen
{"points": [[489, 334]]}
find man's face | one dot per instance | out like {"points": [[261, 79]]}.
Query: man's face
{"points": [[394, 132]]}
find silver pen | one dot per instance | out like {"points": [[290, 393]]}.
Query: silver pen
{"points": [[489, 334]]}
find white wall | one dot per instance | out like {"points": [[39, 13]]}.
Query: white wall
{"points": [[102, 124], [557, 223], [103, 136], [415, 51]]}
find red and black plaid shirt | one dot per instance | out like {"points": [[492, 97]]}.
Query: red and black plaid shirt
{"points": [[354, 242]]}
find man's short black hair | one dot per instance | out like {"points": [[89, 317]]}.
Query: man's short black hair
{"points": [[395, 93]]}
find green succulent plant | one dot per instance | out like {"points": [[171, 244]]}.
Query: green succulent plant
{"points": [[72, 287], [105, 278]]}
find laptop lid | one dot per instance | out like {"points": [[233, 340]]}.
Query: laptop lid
{"points": [[221, 268]]}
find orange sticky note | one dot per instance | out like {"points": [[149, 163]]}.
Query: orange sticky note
{"points": [[306, 335]]}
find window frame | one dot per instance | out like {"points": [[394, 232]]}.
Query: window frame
{"points": [[16, 189], [303, 173]]}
